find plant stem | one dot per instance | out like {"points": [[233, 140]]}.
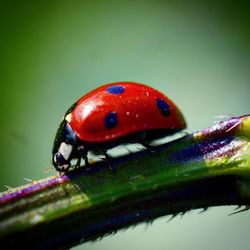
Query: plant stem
{"points": [[208, 168]]}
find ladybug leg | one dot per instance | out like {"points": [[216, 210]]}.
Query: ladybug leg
{"points": [[146, 145], [141, 138], [82, 154], [85, 156], [247, 207], [78, 163], [108, 158]]}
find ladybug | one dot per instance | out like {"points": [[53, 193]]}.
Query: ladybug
{"points": [[116, 113]]}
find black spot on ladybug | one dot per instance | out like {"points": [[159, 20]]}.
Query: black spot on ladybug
{"points": [[111, 120], [163, 107], [116, 89]]}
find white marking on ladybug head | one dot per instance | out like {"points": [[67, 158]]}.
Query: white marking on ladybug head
{"points": [[68, 117], [65, 150]]}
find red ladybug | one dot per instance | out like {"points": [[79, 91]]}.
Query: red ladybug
{"points": [[120, 112]]}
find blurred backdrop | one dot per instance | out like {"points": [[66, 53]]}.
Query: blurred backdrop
{"points": [[52, 52]]}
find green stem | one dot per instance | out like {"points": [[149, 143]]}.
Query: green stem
{"points": [[208, 168]]}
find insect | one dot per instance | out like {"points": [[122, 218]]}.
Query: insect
{"points": [[116, 113]]}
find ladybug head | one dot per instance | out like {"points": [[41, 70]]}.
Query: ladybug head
{"points": [[64, 146]]}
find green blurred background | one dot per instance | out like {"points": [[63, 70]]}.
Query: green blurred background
{"points": [[52, 52]]}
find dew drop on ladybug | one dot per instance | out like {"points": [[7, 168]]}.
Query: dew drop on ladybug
{"points": [[120, 112]]}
